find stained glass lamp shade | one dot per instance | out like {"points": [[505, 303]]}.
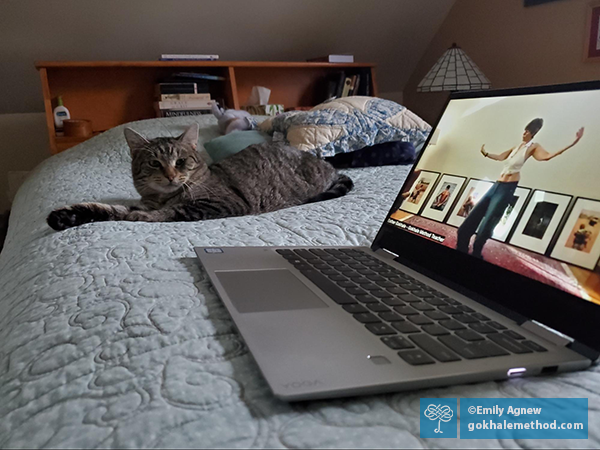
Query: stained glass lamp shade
{"points": [[454, 71]]}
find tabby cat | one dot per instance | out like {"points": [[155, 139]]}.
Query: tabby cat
{"points": [[176, 184]]}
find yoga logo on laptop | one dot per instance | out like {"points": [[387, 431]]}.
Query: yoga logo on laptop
{"points": [[435, 414]]}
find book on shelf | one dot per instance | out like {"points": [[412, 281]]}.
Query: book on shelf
{"points": [[333, 59], [346, 87], [183, 112], [184, 104], [176, 88], [343, 84], [187, 57], [167, 97], [200, 76]]}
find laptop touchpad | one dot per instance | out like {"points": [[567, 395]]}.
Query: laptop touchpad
{"points": [[267, 290]]}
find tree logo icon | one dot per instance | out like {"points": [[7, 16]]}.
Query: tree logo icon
{"points": [[441, 413]]}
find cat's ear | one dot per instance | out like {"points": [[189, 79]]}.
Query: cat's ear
{"points": [[190, 136], [135, 140]]}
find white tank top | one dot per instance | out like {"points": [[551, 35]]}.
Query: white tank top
{"points": [[516, 159]]}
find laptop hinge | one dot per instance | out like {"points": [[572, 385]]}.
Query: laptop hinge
{"points": [[545, 332], [385, 253]]}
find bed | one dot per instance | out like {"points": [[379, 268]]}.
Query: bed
{"points": [[111, 335]]}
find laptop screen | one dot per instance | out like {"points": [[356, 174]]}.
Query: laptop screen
{"points": [[515, 181]]}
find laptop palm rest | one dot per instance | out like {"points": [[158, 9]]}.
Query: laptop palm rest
{"points": [[267, 290]]}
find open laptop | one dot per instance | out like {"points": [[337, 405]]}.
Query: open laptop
{"points": [[413, 311]]}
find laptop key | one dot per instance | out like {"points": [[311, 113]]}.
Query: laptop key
{"points": [[366, 318], [405, 310], [423, 294], [420, 319], [370, 287], [306, 254], [380, 293], [415, 357], [450, 309], [380, 329], [330, 272], [435, 330], [480, 316], [393, 302], [361, 280], [508, 343], [345, 283], [452, 324], [436, 315], [397, 290], [318, 252], [378, 307], [465, 308], [355, 291], [514, 335], [434, 348], [464, 318], [469, 335], [355, 308], [385, 284], [405, 327], [468, 351], [409, 298], [488, 348], [391, 317], [435, 301], [397, 342], [534, 346], [365, 298], [334, 292], [482, 328], [496, 325], [338, 277], [422, 306]]}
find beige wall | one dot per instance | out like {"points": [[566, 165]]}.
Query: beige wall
{"points": [[390, 33], [512, 45]]}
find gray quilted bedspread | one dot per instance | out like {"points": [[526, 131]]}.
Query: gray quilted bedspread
{"points": [[111, 335]]}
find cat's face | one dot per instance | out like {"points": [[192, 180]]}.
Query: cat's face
{"points": [[165, 164]]}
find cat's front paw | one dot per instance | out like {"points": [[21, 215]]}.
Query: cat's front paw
{"points": [[68, 217]]}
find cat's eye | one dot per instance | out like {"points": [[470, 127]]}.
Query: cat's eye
{"points": [[180, 162], [155, 163]]}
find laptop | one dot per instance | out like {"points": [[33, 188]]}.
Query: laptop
{"points": [[485, 267]]}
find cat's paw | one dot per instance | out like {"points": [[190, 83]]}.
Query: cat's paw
{"points": [[68, 217]]}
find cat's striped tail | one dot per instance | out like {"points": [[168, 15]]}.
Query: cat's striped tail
{"points": [[338, 188]]}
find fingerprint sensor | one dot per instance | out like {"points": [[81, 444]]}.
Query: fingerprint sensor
{"points": [[378, 360]]}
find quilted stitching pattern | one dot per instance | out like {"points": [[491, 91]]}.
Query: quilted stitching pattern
{"points": [[111, 335]]}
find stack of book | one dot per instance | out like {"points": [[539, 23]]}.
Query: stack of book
{"points": [[345, 85], [184, 94]]}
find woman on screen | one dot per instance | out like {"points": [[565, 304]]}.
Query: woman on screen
{"points": [[489, 210]]}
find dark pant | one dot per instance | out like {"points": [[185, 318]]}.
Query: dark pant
{"points": [[485, 216]]}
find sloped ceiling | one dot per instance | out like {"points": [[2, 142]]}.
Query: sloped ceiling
{"points": [[391, 33]]}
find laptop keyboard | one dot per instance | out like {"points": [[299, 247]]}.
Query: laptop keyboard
{"points": [[421, 323]]}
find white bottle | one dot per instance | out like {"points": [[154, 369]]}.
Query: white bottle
{"points": [[60, 113]]}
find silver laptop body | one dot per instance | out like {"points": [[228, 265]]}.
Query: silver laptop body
{"points": [[309, 342]]}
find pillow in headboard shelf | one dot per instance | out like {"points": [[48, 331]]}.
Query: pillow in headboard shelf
{"points": [[348, 124]]}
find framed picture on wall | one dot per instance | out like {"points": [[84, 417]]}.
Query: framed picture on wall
{"points": [[539, 222], [511, 213], [578, 242], [470, 196], [592, 35], [419, 191], [445, 193]]}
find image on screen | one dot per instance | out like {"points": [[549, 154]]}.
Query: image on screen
{"points": [[514, 181]]}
